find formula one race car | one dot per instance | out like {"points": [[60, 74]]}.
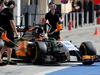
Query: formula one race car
{"points": [[39, 48]]}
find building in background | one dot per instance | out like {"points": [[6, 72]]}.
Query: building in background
{"points": [[29, 11], [36, 9]]}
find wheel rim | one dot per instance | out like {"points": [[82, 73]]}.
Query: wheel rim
{"points": [[85, 51], [34, 53]]}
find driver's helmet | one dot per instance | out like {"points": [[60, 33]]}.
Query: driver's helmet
{"points": [[43, 36]]}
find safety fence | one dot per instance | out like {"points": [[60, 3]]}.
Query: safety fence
{"points": [[79, 19], [73, 20], [29, 19]]}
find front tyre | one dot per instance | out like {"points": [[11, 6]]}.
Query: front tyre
{"points": [[38, 52], [87, 48]]}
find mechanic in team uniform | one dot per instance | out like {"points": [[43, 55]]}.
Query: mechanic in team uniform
{"points": [[53, 17], [2, 6], [9, 26]]}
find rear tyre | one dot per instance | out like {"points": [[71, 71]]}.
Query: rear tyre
{"points": [[38, 52], [87, 48]]}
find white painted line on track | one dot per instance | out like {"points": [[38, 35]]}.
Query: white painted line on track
{"points": [[56, 69], [51, 70]]}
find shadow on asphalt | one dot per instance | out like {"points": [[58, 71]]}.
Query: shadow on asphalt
{"points": [[28, 63], [72, 63]]}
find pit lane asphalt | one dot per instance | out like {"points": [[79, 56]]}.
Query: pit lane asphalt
{"points": [[77, 36]]}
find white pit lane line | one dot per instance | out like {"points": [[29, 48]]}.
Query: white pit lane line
{"points": [[57, 68], [51, 70]]}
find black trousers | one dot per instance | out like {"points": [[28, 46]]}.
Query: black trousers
{"points": [[80, 19], [10, 35]]}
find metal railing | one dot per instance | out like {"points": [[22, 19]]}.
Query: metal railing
{"points": [[75, 18], [22, 18], [30, 19], [67, 16]]}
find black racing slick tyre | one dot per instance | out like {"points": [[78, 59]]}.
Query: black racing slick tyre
{"points": [[38, 52], [87, 48]]}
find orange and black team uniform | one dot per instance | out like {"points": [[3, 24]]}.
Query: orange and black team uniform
{"points": [[7, 26], [53, 19]]}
